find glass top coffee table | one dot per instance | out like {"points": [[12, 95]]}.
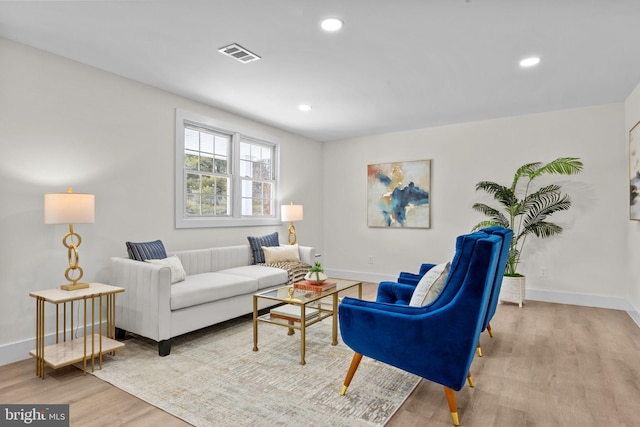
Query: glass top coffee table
{"points": [[303, 300]]}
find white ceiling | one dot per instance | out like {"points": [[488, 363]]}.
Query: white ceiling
{"points": [[395, 65]]}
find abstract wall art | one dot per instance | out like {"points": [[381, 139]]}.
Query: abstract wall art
{"points": [[634, 172], [399, 194]]}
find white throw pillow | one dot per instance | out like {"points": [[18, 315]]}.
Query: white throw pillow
{"points": [[273, 254], [430, 285], [178, 274]]}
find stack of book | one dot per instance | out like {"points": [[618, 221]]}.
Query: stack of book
{"points": [[306, 285], [292, 312]]}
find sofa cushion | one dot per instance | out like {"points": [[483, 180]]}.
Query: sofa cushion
{"points": [[195, 261], [207, 287], [173, 262], [230, 256], [146, 250], [257, 242], [430, 285], [273, 254], [265, 276]]}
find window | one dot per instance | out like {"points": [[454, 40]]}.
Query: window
{"points": [[207, 172], [224, 177], [256, 173]]}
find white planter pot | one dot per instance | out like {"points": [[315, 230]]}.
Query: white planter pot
{"points": [[316, 278], [513, 289]]}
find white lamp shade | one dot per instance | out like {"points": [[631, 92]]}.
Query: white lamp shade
{"points": [[291, 213], [69, 208]]}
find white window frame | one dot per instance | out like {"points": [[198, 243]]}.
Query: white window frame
{"points": [[235, 219]]}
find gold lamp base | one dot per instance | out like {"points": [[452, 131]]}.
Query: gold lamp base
{"points": [[73, 257], [74, 286], [292, 234]]}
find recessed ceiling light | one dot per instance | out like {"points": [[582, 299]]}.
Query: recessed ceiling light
{"points": [[530, 62], [331, 24], [304, 107]]}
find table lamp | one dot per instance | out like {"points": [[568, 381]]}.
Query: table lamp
{"points": [[70, 208], [291, 213]]}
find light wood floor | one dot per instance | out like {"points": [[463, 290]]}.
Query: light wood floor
{"points": [[547, 365]]}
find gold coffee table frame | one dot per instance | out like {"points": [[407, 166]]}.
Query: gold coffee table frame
{"points": [[304, 299]]}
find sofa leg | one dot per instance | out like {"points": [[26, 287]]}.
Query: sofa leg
{"points": [[120, 333], [164, 347]]}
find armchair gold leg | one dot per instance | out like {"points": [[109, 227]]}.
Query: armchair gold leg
{"points": [[357, 357], [479, 350], [470, 380], [489, 330], [453, 408]]}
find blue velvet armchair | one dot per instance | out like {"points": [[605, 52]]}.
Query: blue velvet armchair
{"points": [[413, 279], [506, 234], [436, 342], [400, 292]]}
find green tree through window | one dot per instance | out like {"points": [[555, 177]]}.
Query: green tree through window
{"points": [[206, 159], [223, 178]]}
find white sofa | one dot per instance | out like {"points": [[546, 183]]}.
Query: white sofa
{"points": [[219, 286]]}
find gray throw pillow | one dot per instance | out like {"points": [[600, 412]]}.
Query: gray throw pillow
{"points": [[430, 285], [178, 274]]}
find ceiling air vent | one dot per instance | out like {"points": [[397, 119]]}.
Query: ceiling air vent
{"points": [[238, 52]]}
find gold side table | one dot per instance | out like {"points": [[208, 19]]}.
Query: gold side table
{"points": [[89, 347]]}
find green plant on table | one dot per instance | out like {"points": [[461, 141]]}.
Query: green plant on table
{"points": [[317, 269]]}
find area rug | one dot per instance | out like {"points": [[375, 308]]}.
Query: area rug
{"points": [[213, 378]]}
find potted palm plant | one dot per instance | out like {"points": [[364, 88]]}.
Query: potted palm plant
{"points": [[525, 211]]}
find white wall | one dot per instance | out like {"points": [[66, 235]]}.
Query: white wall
{"points": [[586, 264], [632, 116], [64, 124]]}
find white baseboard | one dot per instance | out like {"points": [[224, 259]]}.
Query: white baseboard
{"points": [[361, 275], [17, 351], [588, 300], [634, 313]]}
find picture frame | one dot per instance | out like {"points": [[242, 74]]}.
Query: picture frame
{"points": [[634, 173], [399, 194]]}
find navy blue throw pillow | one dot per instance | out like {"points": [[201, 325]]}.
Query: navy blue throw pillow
{"points": [[146, 250], [258, 242]]}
